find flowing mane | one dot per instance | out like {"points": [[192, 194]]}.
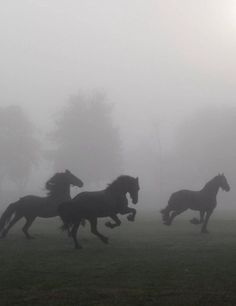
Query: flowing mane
{"points": [[213, 181], [117, 182], [54, 184], [121, 184]]}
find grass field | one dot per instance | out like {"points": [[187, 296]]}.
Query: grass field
{"points": [[145, 263]]}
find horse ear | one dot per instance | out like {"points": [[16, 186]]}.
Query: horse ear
{"points": [[137, 179], [67, 171]]}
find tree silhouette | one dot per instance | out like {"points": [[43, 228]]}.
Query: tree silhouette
{"points": [[19, 148], [86, 139], [205, 146]]}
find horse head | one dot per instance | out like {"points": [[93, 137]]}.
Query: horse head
{"points": [[223, 183], [72, 179], [126, 184], [131, 186], [60, 183], [134, 189]]}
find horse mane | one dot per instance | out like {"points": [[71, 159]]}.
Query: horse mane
{"points": [[209, 183], [54, 184], [118, 182]]}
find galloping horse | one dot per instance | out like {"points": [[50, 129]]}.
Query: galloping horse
{"points": [[105, 203], [204, 201], [31, 206]]}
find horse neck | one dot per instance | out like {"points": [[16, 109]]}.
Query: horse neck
{"points": [[117, 200], [63, 194], [116, 193], [211, 188]]}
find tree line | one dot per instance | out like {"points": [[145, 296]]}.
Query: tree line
{"points": [[84, 140]]}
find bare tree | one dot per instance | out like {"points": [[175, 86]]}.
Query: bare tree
{"points": [[86, 139], [19, 147]]}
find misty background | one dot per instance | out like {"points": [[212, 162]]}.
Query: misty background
{"points": [[104, 88]]}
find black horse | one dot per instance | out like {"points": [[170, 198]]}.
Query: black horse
{"points": [[31, 206], [203, 201], [105, 203]]}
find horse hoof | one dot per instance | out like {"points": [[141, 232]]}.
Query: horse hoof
{"points": [[105, 240], [108, 224], [130, 218], [78, 247], [195, 221], [204, 232], [3, 235], [167, 223]]}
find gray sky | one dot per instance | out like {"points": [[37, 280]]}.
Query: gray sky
{"points": [[156, 60]]}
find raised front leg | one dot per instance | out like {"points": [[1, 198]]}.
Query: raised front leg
{"points": [[112, 225], [130, 211], [204, 226]]}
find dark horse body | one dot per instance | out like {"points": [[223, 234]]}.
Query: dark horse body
{"points": [[32, 206], [105, 203], [203, 201]]}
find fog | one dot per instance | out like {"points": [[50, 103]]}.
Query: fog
{"points": [[166, 67]]}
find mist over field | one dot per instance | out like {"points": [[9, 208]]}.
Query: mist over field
{"points": [[114, 115], [108, 88]]}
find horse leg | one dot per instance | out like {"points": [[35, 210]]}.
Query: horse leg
{"points": [[11, 223], [200, 221], [173, 215], [83, 222], [132, 211], [73, 234], [202, 213], [204, 226], [166, 215], [131, 217], [93, 225], [25, 228], [112, 225]]}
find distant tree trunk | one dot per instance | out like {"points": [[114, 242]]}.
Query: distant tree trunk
{"points": [[86, 139]]}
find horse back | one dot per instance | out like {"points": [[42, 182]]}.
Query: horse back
{"points": [[44, 207], [92, 203], [195, 200]]}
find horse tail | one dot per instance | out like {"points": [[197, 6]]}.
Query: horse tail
{"points": [[165, 214], [163, 211], [166, 211], [170, 206], [6, 216]]}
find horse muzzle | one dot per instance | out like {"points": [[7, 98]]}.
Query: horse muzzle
{"points": [[80, 184], [135, 201]]}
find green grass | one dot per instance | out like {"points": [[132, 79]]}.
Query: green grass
{"points": [[145, 263]]}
